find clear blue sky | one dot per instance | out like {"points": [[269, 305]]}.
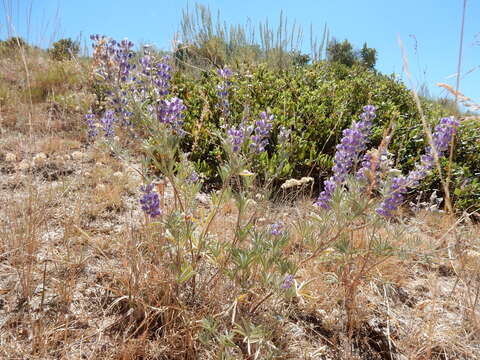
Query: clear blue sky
{"points": [[430, 29]]}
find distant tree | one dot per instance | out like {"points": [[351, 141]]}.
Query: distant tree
{"points": [[11, 44], [299, 59], [64, 49], [245, 54], [341, 52], [344, 53], [368, 56]]}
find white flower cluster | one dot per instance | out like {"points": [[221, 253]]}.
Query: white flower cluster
{"points": [[294, 182]]}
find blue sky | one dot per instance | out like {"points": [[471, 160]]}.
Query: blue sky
{"points": [[430, 29]]}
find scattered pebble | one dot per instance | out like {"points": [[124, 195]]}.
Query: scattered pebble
{"points": [[203, 199], [39, 159], [10, 157], [78, 155], [24, 165], [54, 184]]}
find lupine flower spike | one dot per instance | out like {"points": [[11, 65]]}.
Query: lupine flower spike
{"points": [[222, 90], [171, 112], [236, 137], [287, 282], [352, 143], [276, 229], [108, 120], [150, 201], [261, 132], [442, 137], [91, 125]]}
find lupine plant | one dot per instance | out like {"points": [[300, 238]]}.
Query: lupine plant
{"points": [[255, 258], [255, 254]]}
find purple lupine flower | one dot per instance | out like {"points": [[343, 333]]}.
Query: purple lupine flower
{"points": [[276, 229], [90, 119], [171, 112], [146, 61], [236, 137], [352, 143], [113, 59], [193, 178], [287, 282], [162, 76], [222, 90], [261, 132], [442, 137], [224, 73], [108, 121], [150, 201], [395, 197], [366, 167], [325, 196], [154, 76], [123, 54]]}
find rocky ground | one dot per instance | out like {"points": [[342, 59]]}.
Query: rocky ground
{"points": [[70, 221]]}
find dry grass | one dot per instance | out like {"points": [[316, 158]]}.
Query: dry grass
{"points": [[83, 276]]}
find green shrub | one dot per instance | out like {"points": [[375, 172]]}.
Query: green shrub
{"points": [[64, 49], [11, 45], [316, 102]]}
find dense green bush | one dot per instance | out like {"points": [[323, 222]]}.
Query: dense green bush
{"points": [[11, 45], [317, 102], [64, 49]]}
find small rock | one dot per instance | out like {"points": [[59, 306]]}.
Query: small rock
{"points": [[24, 165], [472, 254], [39, 159], [203, 199], [10, 157], [78, 155], [117, 174], [100, 187]]}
